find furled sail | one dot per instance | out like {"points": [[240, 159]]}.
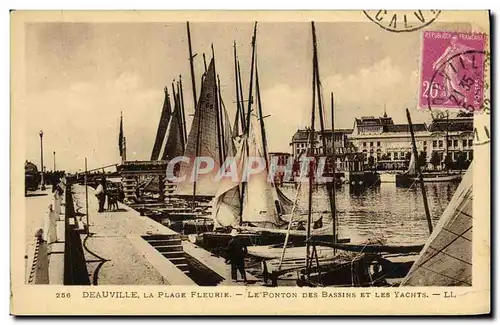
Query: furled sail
{"points": [[446, 259], [162, 127], [203, 140]]}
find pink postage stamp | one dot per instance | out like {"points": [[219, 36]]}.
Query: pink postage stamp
{"points": [[452, 70]]}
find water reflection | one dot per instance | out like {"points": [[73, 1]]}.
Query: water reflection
{"points": [[386, 211]]}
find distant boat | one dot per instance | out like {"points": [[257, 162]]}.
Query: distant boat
{"points": [[410, 177], [446, 259]]}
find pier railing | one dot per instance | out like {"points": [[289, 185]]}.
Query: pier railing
{"points": [[75, 268], [47, 255]]}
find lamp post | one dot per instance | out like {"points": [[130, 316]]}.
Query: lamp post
{"points": [[54, 161], [41, 160]]}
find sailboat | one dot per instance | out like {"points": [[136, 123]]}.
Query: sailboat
{"points": [[255, 205], [410, 177]]}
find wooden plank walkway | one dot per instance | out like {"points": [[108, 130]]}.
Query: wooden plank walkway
{"points": [[114, 245]]}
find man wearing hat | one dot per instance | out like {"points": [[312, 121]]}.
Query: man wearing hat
{"points": [[236, 251], [101, 194]]}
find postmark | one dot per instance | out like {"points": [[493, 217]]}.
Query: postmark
{"points": [[452, 72], [398, 21]]}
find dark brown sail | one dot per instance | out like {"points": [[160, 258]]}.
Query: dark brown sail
{"points": [[162, 126]]}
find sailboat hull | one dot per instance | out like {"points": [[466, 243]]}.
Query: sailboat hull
{"points": [[405, 180], [211, 240]]}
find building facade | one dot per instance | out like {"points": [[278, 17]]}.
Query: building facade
{"points": [[300, 141], [384, 143]]}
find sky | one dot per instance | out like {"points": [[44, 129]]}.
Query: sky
{"points": [[80, 76]]}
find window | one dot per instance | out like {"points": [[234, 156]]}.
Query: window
{"points": [[455, 143], [435, 143], [470, 143], [378, 143], [364, 144], [440, 143], [464, 143], [402, 155], [425, 143], [371, 144], [396, 156], [449, 143]]}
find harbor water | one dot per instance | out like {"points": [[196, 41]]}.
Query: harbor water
{"points": [[384, 211]]}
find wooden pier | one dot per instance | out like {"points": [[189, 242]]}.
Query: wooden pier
{"points": [[123, 247]]}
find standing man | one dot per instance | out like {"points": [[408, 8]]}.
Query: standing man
{"points": [[236, 251], [101, 194]]}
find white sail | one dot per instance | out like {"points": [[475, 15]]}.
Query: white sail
{"points": [[446, 259], [411, 167], [227, 203], [260, 200]]}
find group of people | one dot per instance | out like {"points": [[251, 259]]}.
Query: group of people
{"points": [[112, 193], [236, 249]]}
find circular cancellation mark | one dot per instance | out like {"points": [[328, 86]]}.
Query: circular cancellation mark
{"points": [[459, 82], [399, 21]]}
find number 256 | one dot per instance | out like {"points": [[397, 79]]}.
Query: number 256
{"points": [[63, 295]]}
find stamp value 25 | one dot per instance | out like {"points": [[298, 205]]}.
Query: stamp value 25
{"points": [[452, 70]]}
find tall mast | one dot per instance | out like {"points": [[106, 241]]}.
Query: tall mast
{"points": [[195, 101], [261, 116], [247, 128], [311, 173], [250, 88], [221, 119], [218, 110], [236, 80], [334, 159], [331, 190], [242, 100], [205, 62], [191, 57], [421, 178], [183, 114]]}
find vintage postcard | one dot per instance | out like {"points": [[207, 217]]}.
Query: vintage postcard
{"points": [[250, 163]]}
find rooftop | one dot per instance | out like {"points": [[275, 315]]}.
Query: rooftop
{"points": [[419, 127], [374, 121], [303, 134], [452, 125]]}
